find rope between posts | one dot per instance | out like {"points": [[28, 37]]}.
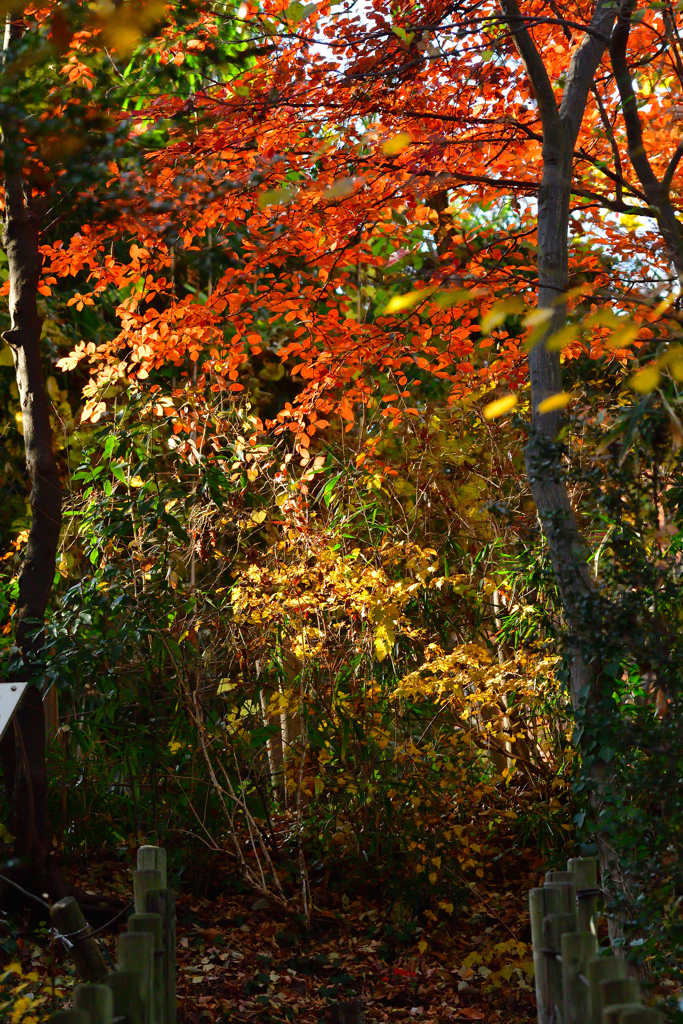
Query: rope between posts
{"points": [[30, 895], [81, 933], [87, 932]]}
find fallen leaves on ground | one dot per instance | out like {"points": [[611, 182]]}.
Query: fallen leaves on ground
{"points": [[243, 959]]}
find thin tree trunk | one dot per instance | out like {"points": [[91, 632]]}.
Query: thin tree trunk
{"points": [[23, 749]]}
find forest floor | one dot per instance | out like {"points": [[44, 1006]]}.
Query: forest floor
{"points": [[243, 959]]}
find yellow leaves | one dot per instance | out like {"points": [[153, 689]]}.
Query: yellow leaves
{"points": [[342, 188], [645, 380], [397, 144], [122, 27], [537, 317], [384, 640], [555, 402], [381, 738], [621, 337], [422, 946], [562, 339], [276, 197], [259, 517], [297, 11], [453, 297], [400, 303], [447, 907], [499, 313], [499, 407]]}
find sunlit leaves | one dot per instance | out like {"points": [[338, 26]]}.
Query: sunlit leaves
{"points": [[499, 407], [276, 197], [645, 380], [554, 402], [396, 144], [499, 313]]}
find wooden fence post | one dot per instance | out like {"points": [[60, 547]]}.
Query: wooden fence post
{"points": [[542, 901], [577, 949], [153, 924], [143, 990], [612, 1014], [96, 1001], [585, 871], [136, 951], [127, 996], [554, 927], [619, 990], [145, 881], [154, 858], [564, 881], [602, 968], [640, 1015], [67, 919], [162, 902]]}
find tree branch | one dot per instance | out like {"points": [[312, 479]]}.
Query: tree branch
{"points": [[583, 65], [533, 62], [657, 192]]}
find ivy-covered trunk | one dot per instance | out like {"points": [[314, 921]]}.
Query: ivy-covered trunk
{"points": [[561, 124]]}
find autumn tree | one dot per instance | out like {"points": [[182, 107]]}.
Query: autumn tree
{"points": [[330, 170]]}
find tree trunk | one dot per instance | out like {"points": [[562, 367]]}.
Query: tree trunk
{"points": [[543, 455], [23, 749]]}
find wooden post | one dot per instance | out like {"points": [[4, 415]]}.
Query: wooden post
{"points": [[554, 927], [585, 871], [577, 949], [564, 881], [640, 1015], [543, 901], [127, 996], [553, 877], [162, 902], [67, 919], [619, 990], [612, 1014], [602, 968], [96, 1001], [153, 858], [145, 881], [153, 924], [136, 950], [68, 1017]]}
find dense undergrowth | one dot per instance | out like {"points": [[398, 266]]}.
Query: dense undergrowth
{"points": [[345, 698]]}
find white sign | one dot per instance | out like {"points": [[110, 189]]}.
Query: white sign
{"points": [[10, 695]]}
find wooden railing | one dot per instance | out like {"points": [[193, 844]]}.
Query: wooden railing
{"points": [[142, 990], [575, 985]]}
